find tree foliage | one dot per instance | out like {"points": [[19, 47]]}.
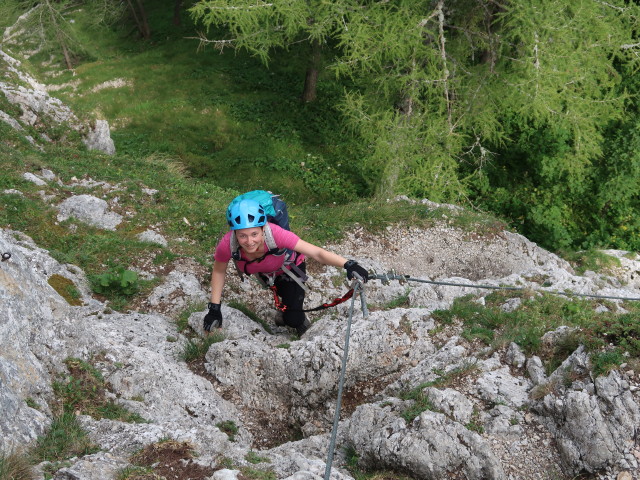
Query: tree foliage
{"points": [[48, 25], [505, 103]]}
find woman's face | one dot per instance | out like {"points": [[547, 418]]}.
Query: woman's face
{"points": [[250, 239]]}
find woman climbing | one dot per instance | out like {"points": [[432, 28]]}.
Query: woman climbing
{"points": [[276, 255]]}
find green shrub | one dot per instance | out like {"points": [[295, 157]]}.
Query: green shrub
{"points": [[116, 281], [229, 427], [603, 362]]}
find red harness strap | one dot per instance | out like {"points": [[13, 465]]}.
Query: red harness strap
{"points": [[283, 308]]}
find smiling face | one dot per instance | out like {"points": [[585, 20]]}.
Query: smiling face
{"points": [[251, 239]]}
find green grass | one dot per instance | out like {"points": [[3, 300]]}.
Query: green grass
{"points": [[225, 116], [65, 439], [182, 321], [253, 457], [16, 466], [257, 474], [419, 400], [359, 473], [605, 335], [83, 391], [604, 362], [401, 301], [197, 348], [229, 427], [593, 260], [134, 472]]}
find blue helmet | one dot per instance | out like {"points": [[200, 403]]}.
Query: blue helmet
{"points": [[245, 214]]}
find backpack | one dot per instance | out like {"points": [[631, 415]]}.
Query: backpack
{"points": [[274, 206], [276, 210]]}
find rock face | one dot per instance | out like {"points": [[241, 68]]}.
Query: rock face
{"points": [[39, 108], [481, 428], [596, 423]]}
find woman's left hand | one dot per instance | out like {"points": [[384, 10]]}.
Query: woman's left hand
{"points": [[354, 269]]}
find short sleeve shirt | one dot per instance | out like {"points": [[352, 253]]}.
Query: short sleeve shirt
{"points": [[270, 263]]}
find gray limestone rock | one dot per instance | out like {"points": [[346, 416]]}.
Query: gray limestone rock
{"points": [[151, 236], [430, 447], [99, 138], [178, 291], [38, 107], [499, 386], [34, 179], [98, 466], [595, 431], [452, 403], [514, 356], [90, 210]]}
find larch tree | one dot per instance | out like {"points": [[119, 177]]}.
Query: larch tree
{"points": [[139, 16], [453, 71], [47, 22], [262, 26], [437, 79]]}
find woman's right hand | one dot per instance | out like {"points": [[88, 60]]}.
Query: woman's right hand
{"points": [[213, 318]]}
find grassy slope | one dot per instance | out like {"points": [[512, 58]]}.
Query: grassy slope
{"points": [[225, 116]]}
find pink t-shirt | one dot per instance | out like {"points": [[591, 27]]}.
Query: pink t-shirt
{"points": [[270, 263]]}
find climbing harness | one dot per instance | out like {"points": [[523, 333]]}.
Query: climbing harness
{"points": [[387, 277], [357, 290], [282, 307]]}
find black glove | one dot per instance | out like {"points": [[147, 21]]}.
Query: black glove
{"points": [[213, 318], [355, 270]]}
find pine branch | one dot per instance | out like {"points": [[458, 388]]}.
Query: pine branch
{"points": [[243, 8]]}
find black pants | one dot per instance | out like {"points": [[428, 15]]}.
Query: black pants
{"points": [[292, 296]]}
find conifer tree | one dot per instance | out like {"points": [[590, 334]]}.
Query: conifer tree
{"points": [[436, 80], [47, 22], [262, 26]]}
